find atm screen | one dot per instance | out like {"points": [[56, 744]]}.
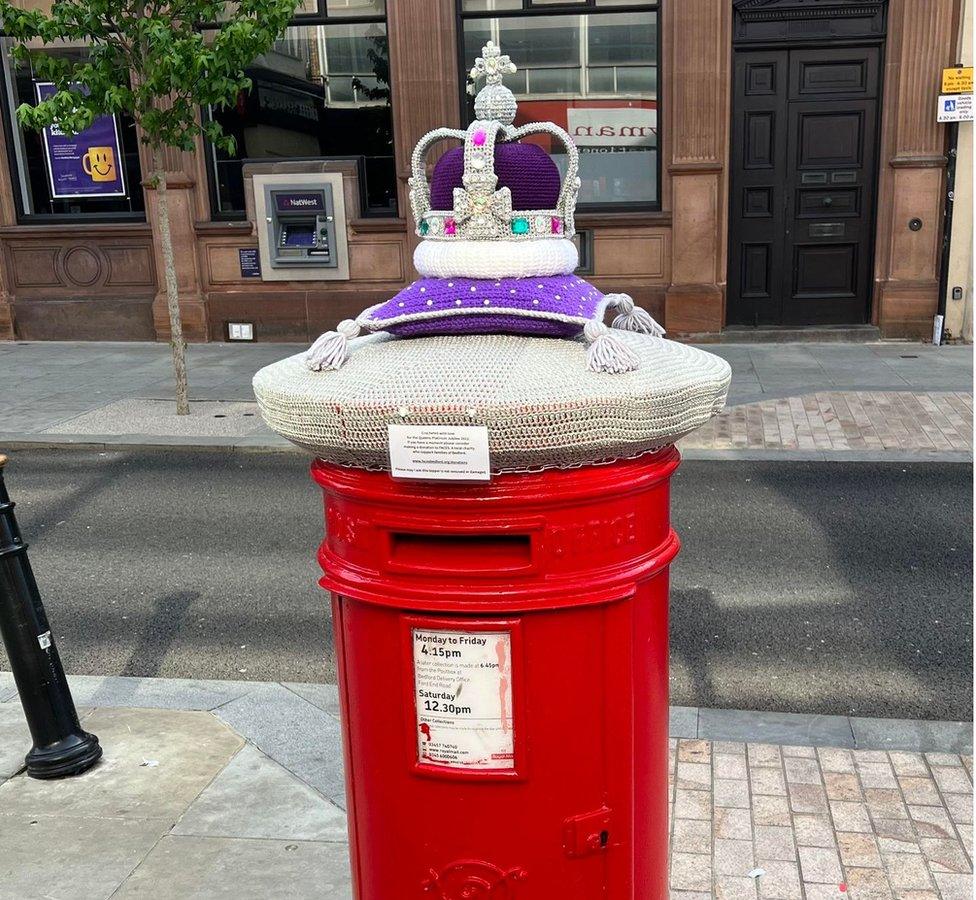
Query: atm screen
{"points": [[299, 236]]}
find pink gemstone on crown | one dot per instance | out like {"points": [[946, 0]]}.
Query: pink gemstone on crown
{"points": [[450, 226], [557, 225], [479, 137]]}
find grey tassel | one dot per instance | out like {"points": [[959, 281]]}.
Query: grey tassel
{"points": [[331, 349], [632, 317], [607, 353]]}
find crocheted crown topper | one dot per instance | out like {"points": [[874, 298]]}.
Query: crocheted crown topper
{"points": [[494, 188]]}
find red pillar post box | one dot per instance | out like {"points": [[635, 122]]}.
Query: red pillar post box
{"points": [[503, 673]]}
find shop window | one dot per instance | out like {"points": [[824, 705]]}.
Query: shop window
{"points": [[322, 91], [95, 174], [591, 69]]}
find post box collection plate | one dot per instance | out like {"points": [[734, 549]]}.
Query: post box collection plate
{"points": [[463, 699]]}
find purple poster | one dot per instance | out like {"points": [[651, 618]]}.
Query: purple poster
{"points": [[89, 164]]}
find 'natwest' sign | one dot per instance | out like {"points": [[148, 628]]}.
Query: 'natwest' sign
{"points": [[633, 126]]}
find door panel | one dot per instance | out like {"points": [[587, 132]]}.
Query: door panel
{"points": [[758, 198], [824, 270], [759, 150], [852, 73], [829, 227], [838, 202], [828, 137], [802, 198]]}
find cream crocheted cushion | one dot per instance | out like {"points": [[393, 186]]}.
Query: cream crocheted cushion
{"points": [[542, 406], [495, 259]]}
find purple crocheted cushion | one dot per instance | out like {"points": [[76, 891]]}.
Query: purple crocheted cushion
{"points": [[525, 169], [486, 324], [557, 306]]}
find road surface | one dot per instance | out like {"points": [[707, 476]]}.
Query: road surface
{"points": [[807, 587]]}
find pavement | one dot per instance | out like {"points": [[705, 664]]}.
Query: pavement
{"points": [[800, 587], [212, 789], [864, 401]]}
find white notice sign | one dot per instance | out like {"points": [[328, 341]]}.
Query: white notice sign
{"points": [[463, 692], [440, 452], [955, 108]]}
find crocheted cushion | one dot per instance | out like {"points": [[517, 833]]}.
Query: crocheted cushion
{"points": [[558, 306], [525, 169], [541, 405]]}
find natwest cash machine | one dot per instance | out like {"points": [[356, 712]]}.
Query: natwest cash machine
{"points": [[301, 226], [495, 460]]}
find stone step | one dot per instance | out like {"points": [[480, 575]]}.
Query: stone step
{"points": [[743, 334]]}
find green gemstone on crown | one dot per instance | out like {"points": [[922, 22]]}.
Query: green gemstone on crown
{"points": [[424, 227], [520, 226]]}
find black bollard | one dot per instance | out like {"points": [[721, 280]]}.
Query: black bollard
{"points": [[61, 747]]}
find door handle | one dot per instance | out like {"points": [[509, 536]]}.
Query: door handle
{"points": [[828, 201]]}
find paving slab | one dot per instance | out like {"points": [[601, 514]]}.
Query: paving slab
{"points": [[158, 417], [8, 688], [774, 728], [324, 696], [154, 693], [683, 722], [911, 734], [155, 763], [181, 867], [15, 739], [303, 738], [254, 797], [47, 856]]}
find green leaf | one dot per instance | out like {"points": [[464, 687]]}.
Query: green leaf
{"points": [[147, 60]]}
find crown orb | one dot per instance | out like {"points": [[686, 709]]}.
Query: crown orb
{"points": [[495, 102]]}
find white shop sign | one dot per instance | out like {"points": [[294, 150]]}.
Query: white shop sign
{"points": [[634, 126]]}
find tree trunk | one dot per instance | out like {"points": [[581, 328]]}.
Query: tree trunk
{"points": [[176, 342]]}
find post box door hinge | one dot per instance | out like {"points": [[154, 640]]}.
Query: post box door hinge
{"points": [[587, 833]]}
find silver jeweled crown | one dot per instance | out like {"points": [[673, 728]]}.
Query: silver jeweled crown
{"points": [[483, 211]]}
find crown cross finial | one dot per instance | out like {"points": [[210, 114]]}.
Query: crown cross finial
{"points": [[492, 64]]}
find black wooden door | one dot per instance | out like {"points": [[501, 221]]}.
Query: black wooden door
{"points": [[803, 179]]}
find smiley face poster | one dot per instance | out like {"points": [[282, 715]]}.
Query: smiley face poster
{"points": [[88, 164]]}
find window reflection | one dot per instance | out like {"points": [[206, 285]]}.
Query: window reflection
{"points": [[321, 91], [33, 176], [595, 75]]}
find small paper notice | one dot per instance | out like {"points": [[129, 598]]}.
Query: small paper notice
{"points": [[463, 692], [440, 452]]}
